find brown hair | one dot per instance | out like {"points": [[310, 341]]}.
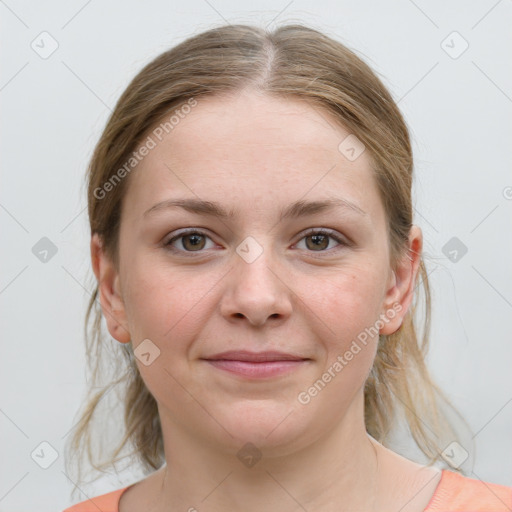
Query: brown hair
{"points": [[297, 62]]}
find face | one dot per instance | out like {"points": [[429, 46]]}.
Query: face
{"points": [[268, 276]]}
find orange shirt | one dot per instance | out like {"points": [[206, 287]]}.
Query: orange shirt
{"points": [[454, 493]]}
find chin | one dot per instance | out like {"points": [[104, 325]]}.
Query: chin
{"points": [[264, 423]]}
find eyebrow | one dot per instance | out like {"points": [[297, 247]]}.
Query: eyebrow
{"points": [[295, 210]]}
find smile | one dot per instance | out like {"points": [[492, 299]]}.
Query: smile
{"points": [[252, 369]]}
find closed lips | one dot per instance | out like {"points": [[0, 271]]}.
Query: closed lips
{"points": [[255, 357]]}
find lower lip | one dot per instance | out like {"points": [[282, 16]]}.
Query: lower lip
{"points": [[257, 370]]}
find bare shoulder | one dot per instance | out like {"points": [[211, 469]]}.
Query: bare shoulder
{"points": [[406, 485], [420, 485], [139, 495]]}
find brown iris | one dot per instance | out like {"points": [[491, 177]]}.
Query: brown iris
{"points": [[319, 241], [193, 241]]}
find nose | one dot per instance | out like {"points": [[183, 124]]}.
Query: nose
{"points": [[256, 291]]}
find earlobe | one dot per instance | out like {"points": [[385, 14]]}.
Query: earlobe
{"points": [[403, 283], [109, 291]]}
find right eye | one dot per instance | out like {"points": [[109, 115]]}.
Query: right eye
{"points": [[192, 240]]}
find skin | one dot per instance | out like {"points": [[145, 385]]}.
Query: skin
{"points": [[257, 154]]}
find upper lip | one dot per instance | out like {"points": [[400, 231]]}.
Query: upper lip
{"points": [[245, 355]]}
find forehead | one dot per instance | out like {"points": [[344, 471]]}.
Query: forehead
{"points": [[252, 145]]}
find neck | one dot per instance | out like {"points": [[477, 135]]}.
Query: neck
{"points": [[338, 471]]}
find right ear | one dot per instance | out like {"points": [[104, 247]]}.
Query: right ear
{"points": [[109, 290]]}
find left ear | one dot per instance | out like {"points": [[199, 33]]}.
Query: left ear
{"points": [[402, 283]]}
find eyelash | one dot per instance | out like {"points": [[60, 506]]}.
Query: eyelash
{"points": [[312, 231]]}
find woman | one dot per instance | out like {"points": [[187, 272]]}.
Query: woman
{"points": [[252, 240]]}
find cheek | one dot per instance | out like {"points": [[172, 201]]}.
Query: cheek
{"points": [[346, 301], [167, 308], [348, 307], [159, 302], [172, 309]]}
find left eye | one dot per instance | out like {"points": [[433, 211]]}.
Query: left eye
{"points": [[319, 240]]}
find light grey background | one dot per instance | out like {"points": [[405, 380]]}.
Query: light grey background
{"points": [[53, 110]]}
